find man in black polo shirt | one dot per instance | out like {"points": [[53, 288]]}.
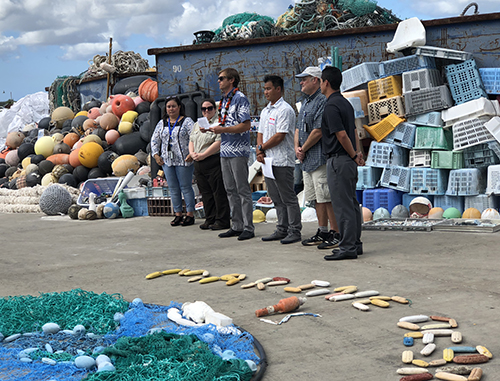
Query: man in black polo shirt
{"points": [[341, 146]]}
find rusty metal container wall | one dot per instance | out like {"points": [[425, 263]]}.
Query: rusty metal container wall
{"points": [[93, 90], [189, 68]]}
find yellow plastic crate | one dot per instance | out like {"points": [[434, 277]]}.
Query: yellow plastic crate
{"points": [[384, 127], [385, 88], [380, 109]]}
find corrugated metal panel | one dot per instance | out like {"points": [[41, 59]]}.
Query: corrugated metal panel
{"points": [[196, 67]]}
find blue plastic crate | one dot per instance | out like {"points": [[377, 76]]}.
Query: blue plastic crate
{"points": [[481, 155], [466, 182], [368, 177], [400, 65], [465, 81], [403, 135], [491, 79], [258, 194], [397, 178], [140, 206], [359, 196], [359, 75], [429, 119], [381, 198], [446, 202], [407, 199], [481, 202], [426, 181], [383, 155], [100, 187]]}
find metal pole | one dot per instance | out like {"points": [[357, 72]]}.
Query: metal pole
{"points": [[109, 62]]}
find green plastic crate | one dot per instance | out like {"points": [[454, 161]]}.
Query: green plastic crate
{"points": [[433, 138], [447, 159]]}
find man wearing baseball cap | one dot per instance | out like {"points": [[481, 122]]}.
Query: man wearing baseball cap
{"points": [[309, 151]]}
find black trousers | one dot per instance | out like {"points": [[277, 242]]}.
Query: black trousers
{"points": [[209, 178]]}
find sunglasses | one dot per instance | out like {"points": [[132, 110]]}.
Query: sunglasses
{"points": [[221, 78], [209, 108]]}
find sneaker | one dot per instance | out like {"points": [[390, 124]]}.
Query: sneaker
{"points": [[230, 233], [316, 239], [291, 238], [276, 236], [331, 242], [247, 234]]}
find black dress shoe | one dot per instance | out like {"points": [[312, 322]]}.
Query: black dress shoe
{"points": [[230, 233], [205, 226], [337, 256], [217, 226], [276, 236], [246, 235]]}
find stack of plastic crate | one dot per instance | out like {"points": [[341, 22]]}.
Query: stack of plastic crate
{"points": [[491, 79], [368, 177], [359, 98], [359, 75], [385, 98], [465, 81], [381, 198], [428, 181], [382, 155], [383, 128], [466, 182]]}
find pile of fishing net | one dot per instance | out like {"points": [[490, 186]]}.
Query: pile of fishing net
{"points": [[140, 340], [122, 62], [27, 200], [305, 17], [64, 92]]}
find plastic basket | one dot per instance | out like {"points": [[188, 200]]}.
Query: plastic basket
{"points": [[363, 97], [466, 182], [100, 187], [494, 145], [160, 206], [359, 75], [368, 177], [409, 63], [157, 192], [493, 185], [384, 88], [447, 159], [429, 119], [481, 202], [407, 199], [433, 99], [480, 155], [472, 109], [396, 177], [420, 158], [381, 198], [493, 126], [360, 124], [491, 79], [357, 106], [465, 81], [140, 206], [383, 128], [433, 138], [403, 135], [446, 202], [433, 51], [470, 132], [383, 108], [428, 181], [421, 79], [383, 155]]}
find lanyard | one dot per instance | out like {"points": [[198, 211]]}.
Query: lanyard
{"points": [[170, 129]]}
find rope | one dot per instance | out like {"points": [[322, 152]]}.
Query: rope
{"points": [[476, 11], [124, 62]]}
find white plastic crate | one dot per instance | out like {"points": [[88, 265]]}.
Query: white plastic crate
{"points": [[472, 109], [466, 182], [420, 158], [421, 79], [493, 185], [368, 177], [470, 132], [429, 119], [491, 79], [428, 181], [481, 202], [383, 155], [403, 135], [433, 99], [359, 75], [493, 126], [433, 51], [396, 177], [357, 106], [398, 66], [359, 123], [137, 192], [446, 202], [381, 109]]}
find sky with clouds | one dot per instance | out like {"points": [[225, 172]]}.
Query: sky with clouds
{"points": [[43, 39]]}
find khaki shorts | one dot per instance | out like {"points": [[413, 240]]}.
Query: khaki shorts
{"points": [[316, 185]]}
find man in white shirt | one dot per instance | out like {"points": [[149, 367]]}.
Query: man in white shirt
{"points": [[275, 141]]}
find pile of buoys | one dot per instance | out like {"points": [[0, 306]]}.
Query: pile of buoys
{"points": [[70, 147]]}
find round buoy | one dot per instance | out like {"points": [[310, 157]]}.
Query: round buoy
{"points": [[436, 213], [55, 200], [111, 210], [452, 213], [12, 159], [381, 213], [367, 214], [471, 213], [89, 154], [44, 146], [61, 114], [490, 214], [400, 211]]}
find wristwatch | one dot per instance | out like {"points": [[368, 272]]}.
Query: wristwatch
{"points": [[260, 148], [355, 156]]}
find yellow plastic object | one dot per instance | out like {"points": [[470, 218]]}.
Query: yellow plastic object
{"points": [[258, 216], [340, 289], [385, 88], [471, 213], [407, 357], [408, 325], [156, 274], [484, 351], [194, 272], [475, 375], [400, 299], [195, 279], [292, 289], [379, 303], [182, 272], [209, 280], [381, 297], [383, 128], [230, 282], [227, 277], [415, 335], [350, 290], [420, 363], [448, 354], [171, 271]]}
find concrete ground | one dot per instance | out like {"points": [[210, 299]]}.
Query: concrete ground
{"points": [[448, 274]]}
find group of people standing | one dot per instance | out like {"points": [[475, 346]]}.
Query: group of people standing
{"points": [[322, 137]]}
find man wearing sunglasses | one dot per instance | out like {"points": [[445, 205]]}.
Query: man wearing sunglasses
{"points": [[234, 126], [275, 142]]}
